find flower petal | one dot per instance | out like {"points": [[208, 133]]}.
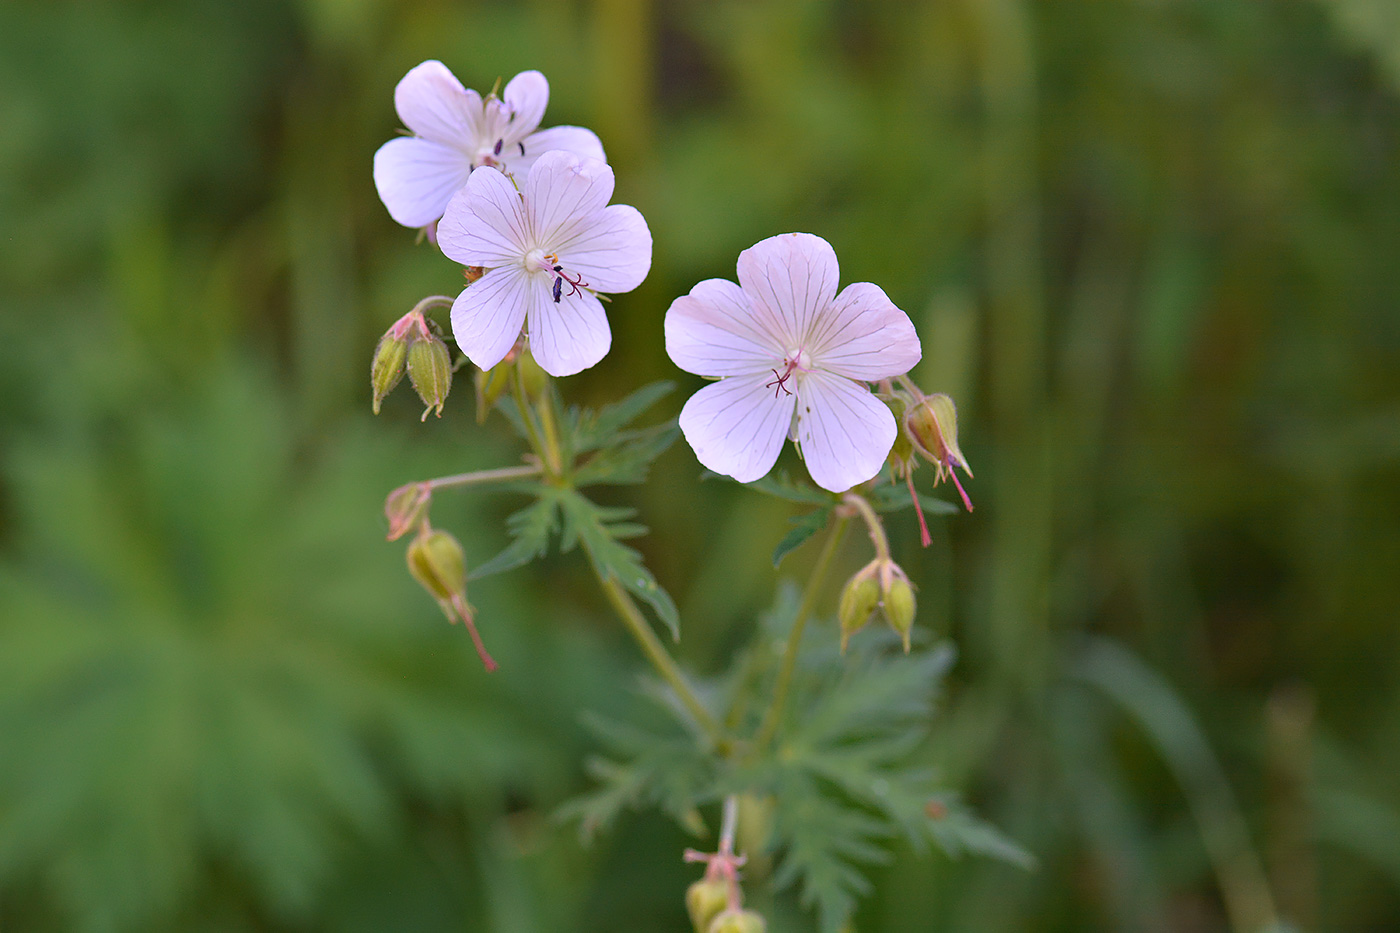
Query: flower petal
{"points": [[844, 430], [487, 316], [417, 177], [864, 336], [526, 95], [432, 103], [612, 252], [712, 332], [736, 426], [570, 336], [793, 276], [573, 139], [563, 191], [484, 224]]}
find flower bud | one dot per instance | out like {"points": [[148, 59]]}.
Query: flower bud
{"points": [[491, 384], [536, 380], [430, 369], [901, 457], [387, 367], [405, 506], [704, 900], [899, 604], [859, 599], [437, 562], [738, 921], [932, 424]]}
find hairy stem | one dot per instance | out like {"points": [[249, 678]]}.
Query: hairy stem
{"points": [[660, 659], [480, 477], [549, 454], [769, 727], [432, 301], [872, 523]]}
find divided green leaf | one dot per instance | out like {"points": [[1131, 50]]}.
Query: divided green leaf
{"points": [[804, 527], [529, 529]]}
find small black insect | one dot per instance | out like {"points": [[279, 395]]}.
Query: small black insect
{"points": [[499, 144], [558, 287], [522, 149]]}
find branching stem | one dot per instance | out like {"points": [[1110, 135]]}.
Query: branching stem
{"points": [[481, 477]]}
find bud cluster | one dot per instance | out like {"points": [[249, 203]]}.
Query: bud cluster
{"points": [[880, 586], [413, 343]]}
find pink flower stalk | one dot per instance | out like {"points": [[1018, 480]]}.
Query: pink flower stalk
{"points": [[455, 131], [792, 358], [548, 249]]}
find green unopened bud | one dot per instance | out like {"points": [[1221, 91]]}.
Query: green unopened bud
{"points": [[738, 921], [704, 900], [901, 456], [536, 380], [932, 424], [859, 599], [405, 506], [899, 605], [386, 369], [430, 369], [491, 384], [437, 562]]}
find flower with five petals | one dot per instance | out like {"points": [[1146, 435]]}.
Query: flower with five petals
{"points": [[548, 249], [792, 358], [456, 131]]}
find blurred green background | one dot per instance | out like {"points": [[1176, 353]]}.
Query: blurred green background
{"points": [[1152, 247]]}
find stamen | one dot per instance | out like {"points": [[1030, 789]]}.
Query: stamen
{"points": [[558, 286], [499, 144]]}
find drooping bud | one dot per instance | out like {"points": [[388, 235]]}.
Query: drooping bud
{"points": [[932, 424], [436, 561], [430, 370], [704, 900], [386, 369], [405, 506], [738, 921], [899, 604], [859, 599]]}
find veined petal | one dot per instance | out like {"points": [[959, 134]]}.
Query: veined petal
{"points": [[573, 139], [844, 430], [432, 103], [416, 178], [570, 336], [484, 224], [526, 95], [712, 332], [564, 190], [736, 426], [612, 251], [487, 316], [793, 276], [864, 336]]}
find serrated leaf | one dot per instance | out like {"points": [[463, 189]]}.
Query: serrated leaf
{"points": [[589, 524], [628, 459], [805, 526], [529, 529], [958, 831], [592, 430], [893, 497]]}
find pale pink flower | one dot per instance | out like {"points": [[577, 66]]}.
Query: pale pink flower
{"points": [[456, 131], [549, 248], [792, 358]]}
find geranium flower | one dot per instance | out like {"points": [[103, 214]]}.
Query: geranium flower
{"points": [[792, 357], [456, 131], [549, 248]]}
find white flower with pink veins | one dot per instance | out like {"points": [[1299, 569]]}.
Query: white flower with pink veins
{"points": [[455, 131], [548, 249], [792, 358]]}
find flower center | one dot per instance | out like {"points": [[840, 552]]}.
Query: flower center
{"points": [[537, 260], [796, 361]]}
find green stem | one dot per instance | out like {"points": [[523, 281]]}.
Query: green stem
{"points": [[656, 653], [433, 301], [551, 433], [872, 522], [548, 454], [479, 477], [769, 727]]}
